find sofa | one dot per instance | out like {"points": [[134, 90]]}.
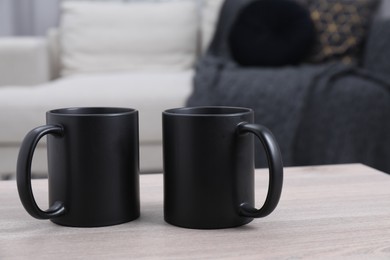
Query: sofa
{"points": [[138, 54], [330, 111], [154, 55]]}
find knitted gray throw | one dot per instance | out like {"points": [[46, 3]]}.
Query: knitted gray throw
{"points": [[320, 114]]}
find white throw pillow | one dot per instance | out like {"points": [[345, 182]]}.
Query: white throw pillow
{"points": [[128, 36]]}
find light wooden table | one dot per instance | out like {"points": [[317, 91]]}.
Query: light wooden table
{"points": [[325, 212]]}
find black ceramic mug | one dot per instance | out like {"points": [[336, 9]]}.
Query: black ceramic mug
{"points": [[93, 164], [209, 167]]}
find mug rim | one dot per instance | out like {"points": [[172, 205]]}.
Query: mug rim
{"points": [[219, 111], [92, 111]]}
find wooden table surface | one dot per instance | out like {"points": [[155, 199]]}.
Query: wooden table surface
{"points": [[325, 212]]}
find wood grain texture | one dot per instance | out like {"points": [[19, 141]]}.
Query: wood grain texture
{"points": [[326, 212]]}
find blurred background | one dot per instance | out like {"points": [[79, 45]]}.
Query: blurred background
{"points": [[34, 17]]}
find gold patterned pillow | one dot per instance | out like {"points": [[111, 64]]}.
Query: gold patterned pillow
{"points": [[341, 28]]}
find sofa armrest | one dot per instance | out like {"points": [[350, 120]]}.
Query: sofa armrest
{"points": [[377, 52], [23, 61]]}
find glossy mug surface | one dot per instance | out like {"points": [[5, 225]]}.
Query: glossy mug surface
{"points": [[93, 164], [209, 167]]}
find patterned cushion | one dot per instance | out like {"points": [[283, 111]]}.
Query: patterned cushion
{"points": [[341, 28]]}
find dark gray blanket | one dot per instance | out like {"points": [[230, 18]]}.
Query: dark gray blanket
{"points": [[320, 114]]}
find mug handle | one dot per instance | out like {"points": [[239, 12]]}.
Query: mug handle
{"points": [[23, 173], [275, 166]]}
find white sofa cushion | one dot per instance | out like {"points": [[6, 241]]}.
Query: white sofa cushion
{"points": [[23, 108], [124, 36]]}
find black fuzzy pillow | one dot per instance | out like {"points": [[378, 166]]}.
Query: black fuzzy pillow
{"points": [[271, 33]]}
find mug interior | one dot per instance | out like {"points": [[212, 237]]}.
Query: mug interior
{"points": [[208, 111], [91, 111]]}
